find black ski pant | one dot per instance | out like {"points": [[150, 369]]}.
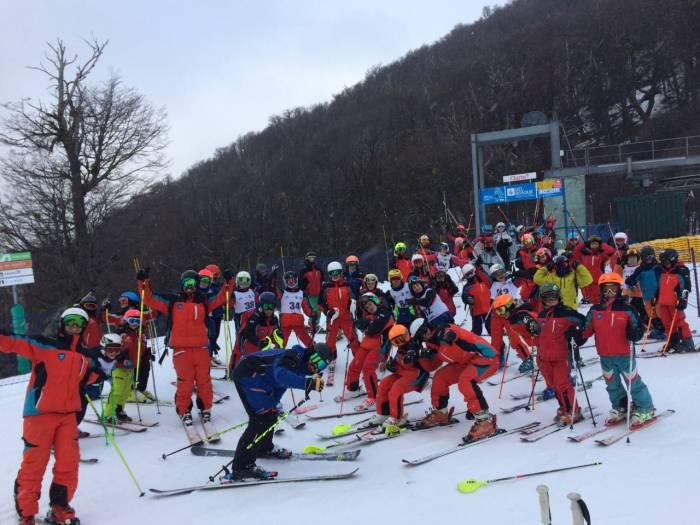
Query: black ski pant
{"points": [[144, 370], [247, 451]]}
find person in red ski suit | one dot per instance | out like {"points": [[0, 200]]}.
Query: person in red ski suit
{"points": [[189, 340], [593, 255], [59, 371], [261, 330], [372, 350], [469, 360], [671, 300], [293, 306], [310, 282], [476, 295], [335, 301], [428, 255], [559, 325], [402, 260], [526, 256], [520, 326]]}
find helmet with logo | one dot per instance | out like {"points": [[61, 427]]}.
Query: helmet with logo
{"points": [[243, 279]]}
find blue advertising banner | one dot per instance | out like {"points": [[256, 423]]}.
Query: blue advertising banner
{"points": [[522, 192]]}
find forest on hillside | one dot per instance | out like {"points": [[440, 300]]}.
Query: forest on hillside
{"points": [[379, 157]]}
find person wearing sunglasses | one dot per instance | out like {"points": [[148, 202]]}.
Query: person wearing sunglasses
{"points": [[615, 325], [518, 321], [261, 329], [370, 284], [52, 401], [188, 311], [468, 360], [335, 301], [293, 306], [310, 282], [408, 373], [402, 259], [261, 379], [353, 275]]}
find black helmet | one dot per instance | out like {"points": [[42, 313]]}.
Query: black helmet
{"points": [[670, 256], [310, 256], [291, 275], [320, 355], [261, 268], [647, 251], [189, 274], [266, 299]]}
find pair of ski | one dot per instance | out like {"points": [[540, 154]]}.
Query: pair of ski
{"points": [[496, 382], [354, 411], [348, 455], [135, 427], [546, 430], [219, 397], [617, 436]]}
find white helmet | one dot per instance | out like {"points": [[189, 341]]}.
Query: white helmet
{"points": [[468, 270], [416, 257], [244, 277], [334, 267], [496, 267], [74, 310], [501, 225], [621, 235], [416, 325], [111, 340]]}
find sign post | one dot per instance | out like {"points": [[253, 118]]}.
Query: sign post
{"points": [[16, 269]]}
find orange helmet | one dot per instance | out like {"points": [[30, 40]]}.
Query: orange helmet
{"points": [[206, 272], [398, 335], [352, 259], [528, 239], [610, 278], [214, 269], [503, 303]]}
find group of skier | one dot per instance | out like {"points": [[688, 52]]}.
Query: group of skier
{"points": [[512, 280]]}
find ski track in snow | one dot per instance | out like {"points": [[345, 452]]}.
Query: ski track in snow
{"points": [[658, 461]]}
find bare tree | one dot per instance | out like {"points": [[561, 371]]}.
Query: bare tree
{"points": [[76, 157]]}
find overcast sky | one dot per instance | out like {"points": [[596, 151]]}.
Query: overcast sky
{"points": [[222, 68]]}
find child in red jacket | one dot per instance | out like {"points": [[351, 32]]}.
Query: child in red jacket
{"points": [[293, 306], [476, 295]]}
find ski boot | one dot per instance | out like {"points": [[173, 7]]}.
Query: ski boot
{"points": [[640, 417], [484, 426], [548, 394], [568, 419], [351, 392], [61, 515], [686, 345], [192, 434], [330, 380], [616, 415], [29, 520], [377, 420], [82, 434], [123, 417], [393, 426], [367, 404], [150, 398], [209, 430], [437, 417], [277, 453], [250, 472], [526, 365], [560, 413]]}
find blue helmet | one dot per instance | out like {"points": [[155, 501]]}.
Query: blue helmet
{"points": [[132, 296]]}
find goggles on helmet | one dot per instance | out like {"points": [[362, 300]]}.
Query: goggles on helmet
{"points": [[133, 321], [190, 282], [88, 306], [318, 361], [74, 320], [335, 273]]}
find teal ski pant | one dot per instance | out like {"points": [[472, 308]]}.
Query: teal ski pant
{"points": [[616, 369]]}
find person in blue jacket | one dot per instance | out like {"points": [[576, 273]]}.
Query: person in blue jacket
{"points": [[646, 276], [261, 379]]}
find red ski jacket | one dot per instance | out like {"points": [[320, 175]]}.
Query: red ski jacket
{"points": [[336, 294], [558, 325], [614, 326]]}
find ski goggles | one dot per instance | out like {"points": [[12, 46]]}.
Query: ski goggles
{"points": [[190, 282], [501, 310], [203, 280], [400, 249], [74, 320], [335, 273], [243, 281], [112, 349], [133, 321], [267, 306], [318, 361], [610, 289], [399, 340], [311, 258], [88, 306], [371, 280], [549, 296]]}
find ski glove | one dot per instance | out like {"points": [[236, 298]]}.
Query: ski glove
{"points": [[228, 274], [469, 299], [313, 382], [449, 337], [142, 274], [532, 326], [681, 305], [106, 304], [391, 365]]}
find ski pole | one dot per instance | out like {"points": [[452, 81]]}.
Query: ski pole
{"points": [[646, 335], [545, 511], [503, 375], [234, 427], [695, 275], [579, 510], [119, 452], [154, 344], [282, 257], [670, 332], [386, 251], [575, 225], [629, 389], [585, 390], [137, 266], [532, 392], [345, 381], [227, 332], [472, 485]]}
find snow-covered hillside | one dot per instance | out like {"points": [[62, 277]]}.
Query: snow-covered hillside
{"points": [[652, 480]]}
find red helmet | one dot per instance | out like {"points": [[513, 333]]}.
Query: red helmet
{"points": [[206, 273], [352, 259], [214, 269]]}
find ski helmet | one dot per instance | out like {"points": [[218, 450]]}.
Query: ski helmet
{"points": [[73, 316], [334, 269], [369, 297], [528, 239], [487, 228], [468, 271], [399, 335], [243, 279], [111, 340], [268, 301], [132, 317], [291, 279], [498, 267], [500, 225], [459, 241], [371, 278], [310, 256], [205, 276], [395, 274], [89, 302], [668, 257], [610, 278], [418, 328], [412, 281], [131, 296], [261, 268], [352, 259], [647, 251], [549, 289], [189, 278], [621, 237], [503, 303], [320, 356], [215, 270], [416, 258], [444, 245], [400, 247]]}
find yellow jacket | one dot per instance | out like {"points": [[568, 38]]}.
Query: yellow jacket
{"points": [[569, 284]]}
